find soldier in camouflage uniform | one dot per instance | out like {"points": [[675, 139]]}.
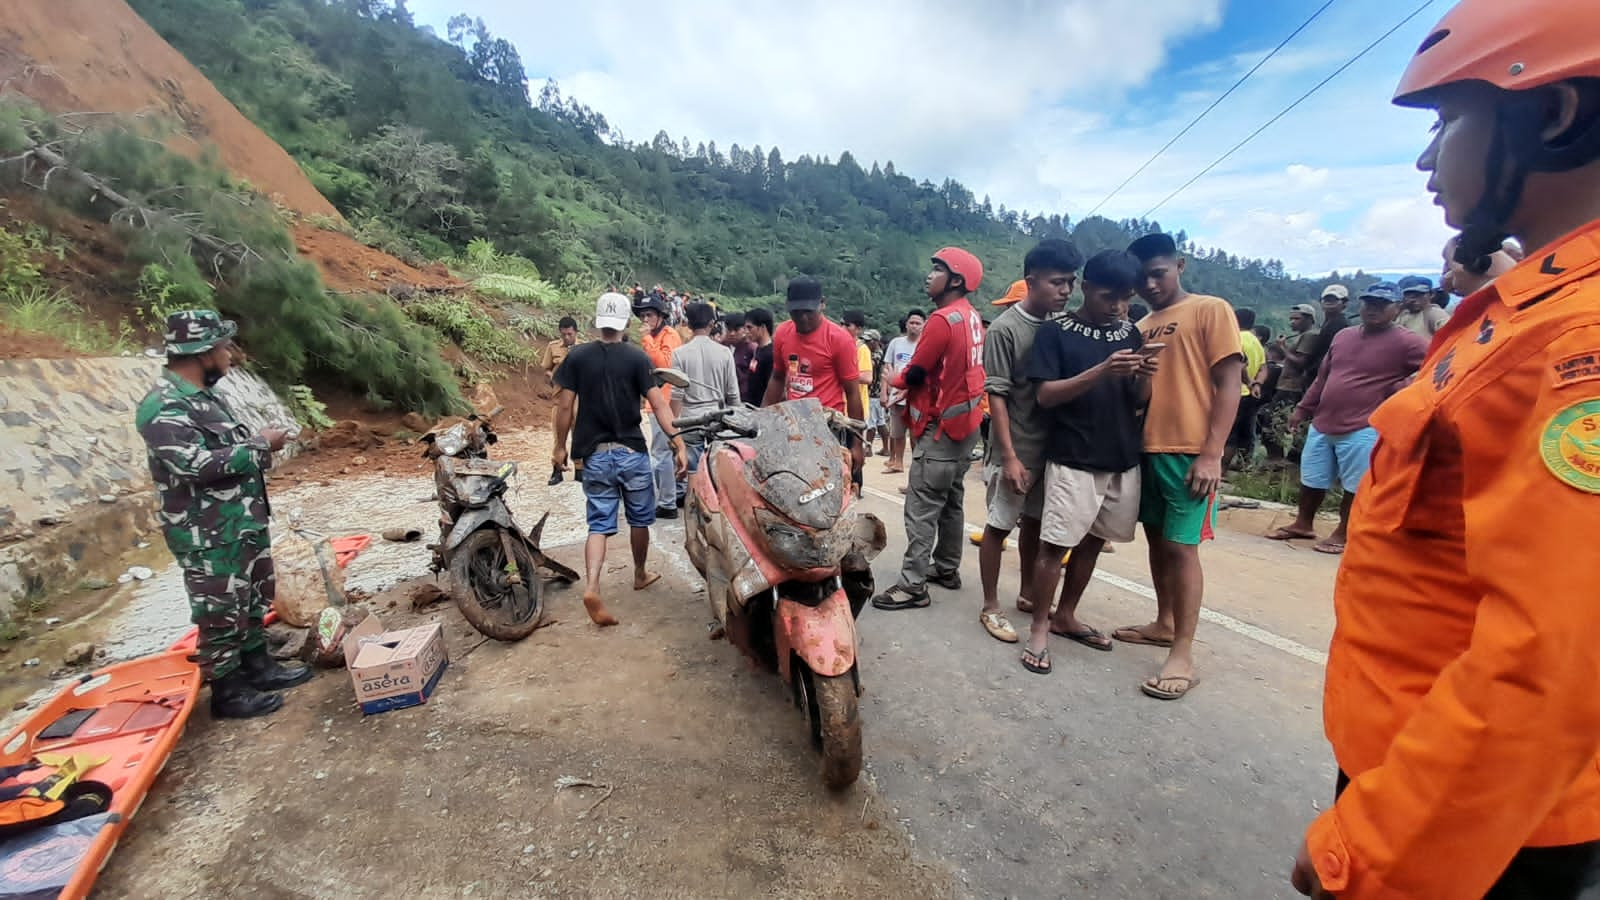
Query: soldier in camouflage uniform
{"points": [[209, 473]]}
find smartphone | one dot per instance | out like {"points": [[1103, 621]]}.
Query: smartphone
{"points": [[1151, 349]]}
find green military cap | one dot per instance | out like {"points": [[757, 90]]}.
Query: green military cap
{"points": [[195, 331]]}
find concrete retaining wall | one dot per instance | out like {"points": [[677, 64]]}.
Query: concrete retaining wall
{"points": [[74, 484]]}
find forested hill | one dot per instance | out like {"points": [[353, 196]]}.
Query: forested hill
{"points": [[425, 143]]}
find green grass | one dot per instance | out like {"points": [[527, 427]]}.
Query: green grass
{"points": [[38, 310], [1276, 486]]}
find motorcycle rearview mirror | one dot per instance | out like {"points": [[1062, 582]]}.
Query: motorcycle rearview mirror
{"points": [[675, 377]]}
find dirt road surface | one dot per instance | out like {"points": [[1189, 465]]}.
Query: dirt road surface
{"points": [[982, 779]]}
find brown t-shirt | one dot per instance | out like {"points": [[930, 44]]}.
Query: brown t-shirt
{"points": [[1199, 331]]}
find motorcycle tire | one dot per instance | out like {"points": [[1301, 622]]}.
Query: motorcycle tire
{"points": [[498, 609], [835, 726]]}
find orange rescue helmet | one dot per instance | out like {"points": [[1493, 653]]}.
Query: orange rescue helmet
{"points": [[1512, 46], [962, 263], [1015, 293], [1516, 49]]}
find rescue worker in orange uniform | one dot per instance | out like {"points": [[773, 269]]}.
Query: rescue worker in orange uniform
{"points": [[944, 380], [1463, 682]]}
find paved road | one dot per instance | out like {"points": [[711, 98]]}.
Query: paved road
{"points": [[1076, 784]]}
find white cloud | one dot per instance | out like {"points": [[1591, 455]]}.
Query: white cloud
{"points": [[1044, 107]]}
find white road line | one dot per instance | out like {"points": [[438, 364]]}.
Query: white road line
{"points": [[1244, 629]]}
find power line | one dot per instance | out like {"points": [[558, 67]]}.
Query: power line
{"points": [[1207, 111], [1303, 97]]}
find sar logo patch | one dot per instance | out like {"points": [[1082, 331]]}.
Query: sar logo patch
{"points": [[1571, 446]]}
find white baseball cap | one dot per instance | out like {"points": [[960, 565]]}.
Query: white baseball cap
{"points": [[612, 311]]}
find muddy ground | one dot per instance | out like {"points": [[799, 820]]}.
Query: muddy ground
{"points": [[981, 779]]}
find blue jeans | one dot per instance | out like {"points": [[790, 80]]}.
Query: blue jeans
{"points": [[668, 489], [614, 478]]}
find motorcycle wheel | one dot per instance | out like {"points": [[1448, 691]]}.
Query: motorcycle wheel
{"points": [[835, 726], [484, 594]]}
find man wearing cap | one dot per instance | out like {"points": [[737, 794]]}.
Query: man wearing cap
{"points": [[1335, 297], [209, 475], [658, 339], [1363, 368], [1418, 314], [607, 380], [813, 357], [944, 384], [1297, 349]]}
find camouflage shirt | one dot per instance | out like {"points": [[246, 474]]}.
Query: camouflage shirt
{"points": [[206, 466]]}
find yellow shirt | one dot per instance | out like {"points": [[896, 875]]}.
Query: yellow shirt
{"points": [[864, 364], [1255, 356]]}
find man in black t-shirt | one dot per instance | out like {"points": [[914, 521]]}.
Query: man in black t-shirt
{"points": [[1093, 371], [606, 379], [759, 325]]}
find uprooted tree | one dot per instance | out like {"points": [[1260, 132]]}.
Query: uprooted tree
{"points": [[218, 239]]}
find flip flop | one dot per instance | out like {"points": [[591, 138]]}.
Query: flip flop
{"points": [[1132, 635], [995, 623], [1151, 687], [1332, 548], [1287, 534], [652, 578], [1086, 637], [891, 470], [1037, 663]]}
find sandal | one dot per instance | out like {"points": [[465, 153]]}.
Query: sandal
{"points": [[1330, 547], [891, 468], [1152, 687], [1037, 663], [995, 623], [1134, 634], [1289, 534], [1092, 638], [913, 600]]}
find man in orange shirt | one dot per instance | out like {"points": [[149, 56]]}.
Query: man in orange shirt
{"points": [[1194, 398], [1461, 698], [658, 339]]}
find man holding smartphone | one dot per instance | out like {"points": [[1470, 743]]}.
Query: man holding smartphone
{"points": [[1193, 402]]}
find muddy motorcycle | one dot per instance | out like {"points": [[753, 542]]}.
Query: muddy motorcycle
{"points": [[494, 568], [770, 521]]}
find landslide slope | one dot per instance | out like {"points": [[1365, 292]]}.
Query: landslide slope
{"points": [[98, 56]]}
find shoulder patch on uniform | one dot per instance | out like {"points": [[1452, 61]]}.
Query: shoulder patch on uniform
{"points": [[1576, 368], [1570, 445], [954, 318]]}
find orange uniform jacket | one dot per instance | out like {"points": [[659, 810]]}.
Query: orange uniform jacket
{"points": [[659, 348], [1463, 691]]}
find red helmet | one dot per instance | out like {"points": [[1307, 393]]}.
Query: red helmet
{"points": [[962, 263]]}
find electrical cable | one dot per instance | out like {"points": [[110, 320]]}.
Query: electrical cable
{"points": [[1303, 97], [1208, 109]]}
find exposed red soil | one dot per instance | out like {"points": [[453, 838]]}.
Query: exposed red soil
{"points": [[99, 56], [349, 265]]}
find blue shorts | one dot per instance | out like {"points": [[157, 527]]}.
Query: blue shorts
{"points": [[619, 477], [1336, 457]]}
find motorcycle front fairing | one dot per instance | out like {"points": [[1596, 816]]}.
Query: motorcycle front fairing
{"points": [[494, 512]]}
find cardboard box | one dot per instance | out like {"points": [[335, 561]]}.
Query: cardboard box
{"points": [[396, 669]]}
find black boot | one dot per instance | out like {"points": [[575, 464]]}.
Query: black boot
{"points": [[232, 697], [267, 674]]}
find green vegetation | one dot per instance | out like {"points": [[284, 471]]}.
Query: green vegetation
{"points": [[430, 145], [306, 408], [460, 321], [204, 240]]}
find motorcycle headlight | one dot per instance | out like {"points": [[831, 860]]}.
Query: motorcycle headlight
{"points": [[793, 546]]}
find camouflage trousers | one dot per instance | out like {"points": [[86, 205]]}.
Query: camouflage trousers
{"points": [[1272, 421], [230, 587]]}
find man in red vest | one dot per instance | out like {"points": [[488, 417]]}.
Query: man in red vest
{"points": [[944, 380]]}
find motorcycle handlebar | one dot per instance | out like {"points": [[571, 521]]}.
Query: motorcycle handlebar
{"points": [[704, 418]]}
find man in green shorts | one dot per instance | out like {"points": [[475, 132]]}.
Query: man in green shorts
{"points": [[1194, 399]]}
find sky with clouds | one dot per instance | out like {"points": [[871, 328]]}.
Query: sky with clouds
{"points": [[1043, 105]]}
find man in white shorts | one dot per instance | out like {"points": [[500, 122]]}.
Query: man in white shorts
{"points": [[1014, 459], [1093, 372]]}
